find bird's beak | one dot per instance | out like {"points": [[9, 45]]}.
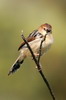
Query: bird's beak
{"points": [[48, 30]]}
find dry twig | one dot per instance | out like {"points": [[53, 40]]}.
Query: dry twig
{"points": [[41, 48], [38, 64]]}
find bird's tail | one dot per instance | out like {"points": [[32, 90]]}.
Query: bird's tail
{"points": [[16, 65]]}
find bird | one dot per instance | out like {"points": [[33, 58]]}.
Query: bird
{"points": [[34, 39]]}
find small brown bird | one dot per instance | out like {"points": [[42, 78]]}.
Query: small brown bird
{"points": [[34, 39]]}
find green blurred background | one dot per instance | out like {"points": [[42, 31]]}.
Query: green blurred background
{"points": [[27, 15]]}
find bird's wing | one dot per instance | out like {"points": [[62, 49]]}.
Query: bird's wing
{"points": [[32, 36], [28, 40], [35, 34]]}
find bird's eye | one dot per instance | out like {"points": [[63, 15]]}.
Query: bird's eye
{"points": [[44, 29]]}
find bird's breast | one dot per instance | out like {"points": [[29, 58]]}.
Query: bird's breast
{"points": [[47, 43]]}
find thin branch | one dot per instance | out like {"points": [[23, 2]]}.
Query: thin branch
{"points": [[40, 49], [44, 78], [39, 67], [47, 83]]}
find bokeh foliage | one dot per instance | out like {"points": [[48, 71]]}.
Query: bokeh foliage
{"points": [[27, 15]]}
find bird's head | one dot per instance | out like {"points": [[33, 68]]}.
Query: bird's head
{"points": [[45, 29]]}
